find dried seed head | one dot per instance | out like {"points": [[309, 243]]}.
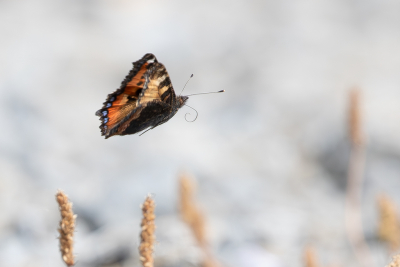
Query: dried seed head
{"points": [[388, 229], [190, 211], [192, 215], [186, 192], [147, 236], [67, 227], [395, 262]]}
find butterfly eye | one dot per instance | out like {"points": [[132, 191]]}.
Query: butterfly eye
{"points": [[108, 105], [105, 113]]}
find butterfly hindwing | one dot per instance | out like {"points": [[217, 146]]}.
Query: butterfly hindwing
{"points": [[150, 115]]}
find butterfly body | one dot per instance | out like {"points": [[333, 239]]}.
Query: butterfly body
{"points": [[145, 100]]}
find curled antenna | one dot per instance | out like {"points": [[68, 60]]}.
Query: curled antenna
{"points": [[220, 91], [189, 114], [186, 83]]}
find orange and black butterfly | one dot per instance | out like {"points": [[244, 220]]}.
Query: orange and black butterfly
{"points": [[145, 99]]}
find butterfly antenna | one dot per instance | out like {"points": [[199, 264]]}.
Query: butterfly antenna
{"points": [[189, 114], [221, 91], [185, 84]]}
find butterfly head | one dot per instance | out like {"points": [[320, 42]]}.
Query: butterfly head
{"points": [[181, 100]]}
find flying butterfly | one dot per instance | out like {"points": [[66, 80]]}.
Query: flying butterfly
{"points": [[145, 100]]}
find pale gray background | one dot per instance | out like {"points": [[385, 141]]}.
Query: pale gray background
{"points": [[269, 155]]}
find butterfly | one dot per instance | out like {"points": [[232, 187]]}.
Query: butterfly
{"points": [[145, 100]]}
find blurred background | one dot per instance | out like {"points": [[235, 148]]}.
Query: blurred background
{"points": [[269, 156]]}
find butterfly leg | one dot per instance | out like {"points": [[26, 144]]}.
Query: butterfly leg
{"points": [[147, 131]]}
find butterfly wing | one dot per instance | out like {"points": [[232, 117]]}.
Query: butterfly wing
{"points": [[151, 115], [159, 86], [145, 96]]}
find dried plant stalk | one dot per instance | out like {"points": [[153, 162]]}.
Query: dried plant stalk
{"points": [[355, 120], [209, 261], [353, 218], [192, 215], [147, 235], [388, 229], [310, 259], [186, 190], [67, 227], [395, 262]]}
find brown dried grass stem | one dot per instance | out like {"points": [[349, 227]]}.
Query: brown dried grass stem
{"points": [[353, 215], [355, 118], [147, 235], [193, 216], [310, 259], [67, 228], [190, 212]]}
